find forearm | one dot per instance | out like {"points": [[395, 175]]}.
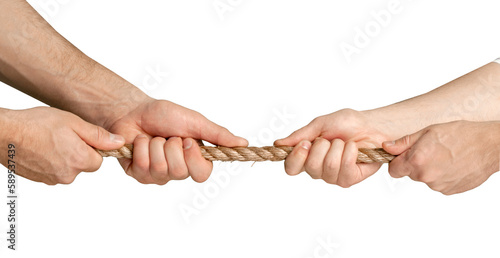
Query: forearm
{"points": [[7, 132], [474, 97], [37, 60]]}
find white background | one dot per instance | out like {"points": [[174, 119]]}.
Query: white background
{"points": [[239, 68]]}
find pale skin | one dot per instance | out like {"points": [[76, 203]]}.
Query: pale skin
{"points": [[450, 157], [107, 111]]}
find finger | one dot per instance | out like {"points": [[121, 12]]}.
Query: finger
{"points": [[294, 163], [316, 158], [97, 136], [410, 159], [308, 132], [199, 168], [333, 160], [218, 135], [158, 161], [400, 167], [437, 186], [140, 160], [92, 159], [177, 169], [349, 173], [402, 144], [84, 157]]}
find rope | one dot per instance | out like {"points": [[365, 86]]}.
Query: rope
{"points": [[272, 153]]}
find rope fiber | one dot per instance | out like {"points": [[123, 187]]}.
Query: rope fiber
{"points": [[271, 153]]}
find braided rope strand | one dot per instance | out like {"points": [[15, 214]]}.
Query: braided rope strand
{"points": [[271, 153]]}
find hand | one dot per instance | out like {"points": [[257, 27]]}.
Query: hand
{"points": [[157, 159], [332, 156], [450, 158], [52, 146]]}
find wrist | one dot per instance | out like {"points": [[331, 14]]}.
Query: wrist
{"points": [[491, 143], [121, 106], [102, 100], [390, 122], [8, 133], [117, 102]]}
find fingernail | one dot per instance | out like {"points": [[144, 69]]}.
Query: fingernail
{"points": [[116, 138], [389, 143], [187, 144], [305, 145], [141, 136]]}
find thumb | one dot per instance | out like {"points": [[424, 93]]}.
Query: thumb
{"points": [[218, 135], [98, 137], [308, 132], [402, 144]]}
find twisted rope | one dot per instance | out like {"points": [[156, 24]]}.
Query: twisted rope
{"points": [[272, 153]]}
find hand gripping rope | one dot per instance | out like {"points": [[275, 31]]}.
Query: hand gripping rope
{"points": [[271, 153]]}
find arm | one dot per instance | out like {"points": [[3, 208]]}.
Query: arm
{"points": [[332, 157], [37, 60], [472, 97]]}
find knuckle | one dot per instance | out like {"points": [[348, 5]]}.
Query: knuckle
{"points": [[330, 180], [437, 187], [65, 178], [427, 176], [418, 159], [141, 178], [49, 182], [322, 141], [338, 142], [142, 181], [298, 154], [80, 156], [201, 177], [394, 173], [141, 166], [318, 119], [178, 173], [406, 140], [291, 171], [99, 135], [224, 130], [174, 142], [393, 170], [331, 166], [159, 169], [330, 171], [158, 140], [139, 174], [160, 176], [344, 184], [398, 173], [161, 182], [312, 165], [314, 173], [345, 180]]}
